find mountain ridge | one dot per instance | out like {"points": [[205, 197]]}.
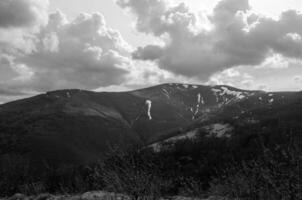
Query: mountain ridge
{"points": [[80, 125]]}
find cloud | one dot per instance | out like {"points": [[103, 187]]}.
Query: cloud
{"points": [[23, 13], [233, 77], [237, 36], [260, 78], [150, 52], [41, 52], [298, 79], [82, 53], [19, 21]]}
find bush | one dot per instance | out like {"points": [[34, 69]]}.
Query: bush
{"points": [[276, 174], [259, 163], [133, 173]]}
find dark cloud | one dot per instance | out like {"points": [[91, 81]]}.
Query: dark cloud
{"points": [[149, 13], [150, 52], [19, 13]]}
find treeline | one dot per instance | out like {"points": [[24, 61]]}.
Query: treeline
{"points": [[262, 162]]}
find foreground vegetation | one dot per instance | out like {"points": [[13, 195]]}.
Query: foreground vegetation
{"points": [[257, 162]]}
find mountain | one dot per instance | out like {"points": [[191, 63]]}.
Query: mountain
{"points": [[77, 126], [256, 111]]}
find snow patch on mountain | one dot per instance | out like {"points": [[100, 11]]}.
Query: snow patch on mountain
{"points": [[224, 93], [166, 93], [159, 146], [198, 98], [219, 130], [217, 99], [149, 106], [188, 135], [156, 147], [215, 90], [237, 94]]}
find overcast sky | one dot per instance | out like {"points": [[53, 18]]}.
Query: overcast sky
{"points": [[127, 44]]}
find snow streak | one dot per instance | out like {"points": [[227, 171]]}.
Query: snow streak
{"points": [[149, 105]]}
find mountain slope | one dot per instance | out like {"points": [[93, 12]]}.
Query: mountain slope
{"points": [[260, 110], [76, 126]]}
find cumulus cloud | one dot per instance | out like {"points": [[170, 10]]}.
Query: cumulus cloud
{"points": [[150, 52], [19, 20], [260, 78], [41, 51], [82, 53], [237, 36], [233, 77]]}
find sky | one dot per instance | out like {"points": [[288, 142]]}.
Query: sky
{"points": [[118, 45]]}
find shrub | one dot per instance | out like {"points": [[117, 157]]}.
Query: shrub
{"points": [[276, 174], [133, 174]]}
